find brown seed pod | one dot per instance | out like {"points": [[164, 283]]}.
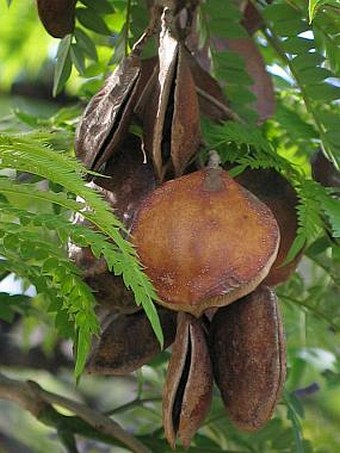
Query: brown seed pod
{"points": [[203, 236], [57, 16], [324, 171], [128, 342], [252, 19], [106, 118], [185, 128], [188, 388], [212, 102], [276, 192], [248, 355], [109, 290], [105, 121], [111, 293], [171, 117], [128, 179]]}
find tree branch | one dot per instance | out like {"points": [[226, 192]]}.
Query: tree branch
{"points": [[86, 422]]}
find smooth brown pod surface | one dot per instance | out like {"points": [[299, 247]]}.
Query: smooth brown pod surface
{"points": [[203, 236], [128, 342], [57, 16], [277, 193], [248, 355]]}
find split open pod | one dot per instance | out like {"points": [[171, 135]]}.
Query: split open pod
{"points": [[204, 240], [188, 388]]}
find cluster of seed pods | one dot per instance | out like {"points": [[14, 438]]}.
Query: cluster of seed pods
{"points": [[212, 245]]}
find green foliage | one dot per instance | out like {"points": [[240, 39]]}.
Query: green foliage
{"points": [[245, 145], [27, 154], [303, 57], [102, 19], [227, 65], [10, 305], [63, 65], [303, 43], [217, 18], [26, 42]]}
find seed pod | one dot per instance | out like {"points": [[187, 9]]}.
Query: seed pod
{"points": [[107, 116], [203, 236], [111, 293], [276, 192], [109, 290], [211, 99], [57, 16], [130, 179], [171, 118], [324, 171], [128, 342], [185, 128], [252, 19], [188, 388], [248, 355]]}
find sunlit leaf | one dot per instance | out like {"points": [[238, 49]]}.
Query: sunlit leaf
{"points": [[78, 58], [63, 65], [314, 5], [86, 43]]}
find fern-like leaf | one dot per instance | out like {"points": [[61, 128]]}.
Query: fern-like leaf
{"points": [[303, 55], [22, 153]]}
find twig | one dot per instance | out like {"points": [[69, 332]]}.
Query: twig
{"points": [[132, 404], [229, 113], [88, 422], [313, 310], [214, 159]]}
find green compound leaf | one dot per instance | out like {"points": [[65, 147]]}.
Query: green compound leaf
{"points": [[27, 154]]}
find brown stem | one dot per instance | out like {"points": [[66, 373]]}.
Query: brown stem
{"points": [[229, 113], [39, 403], [132, 404]]}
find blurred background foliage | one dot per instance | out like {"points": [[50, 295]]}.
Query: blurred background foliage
{"points": [[308, 418]]}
